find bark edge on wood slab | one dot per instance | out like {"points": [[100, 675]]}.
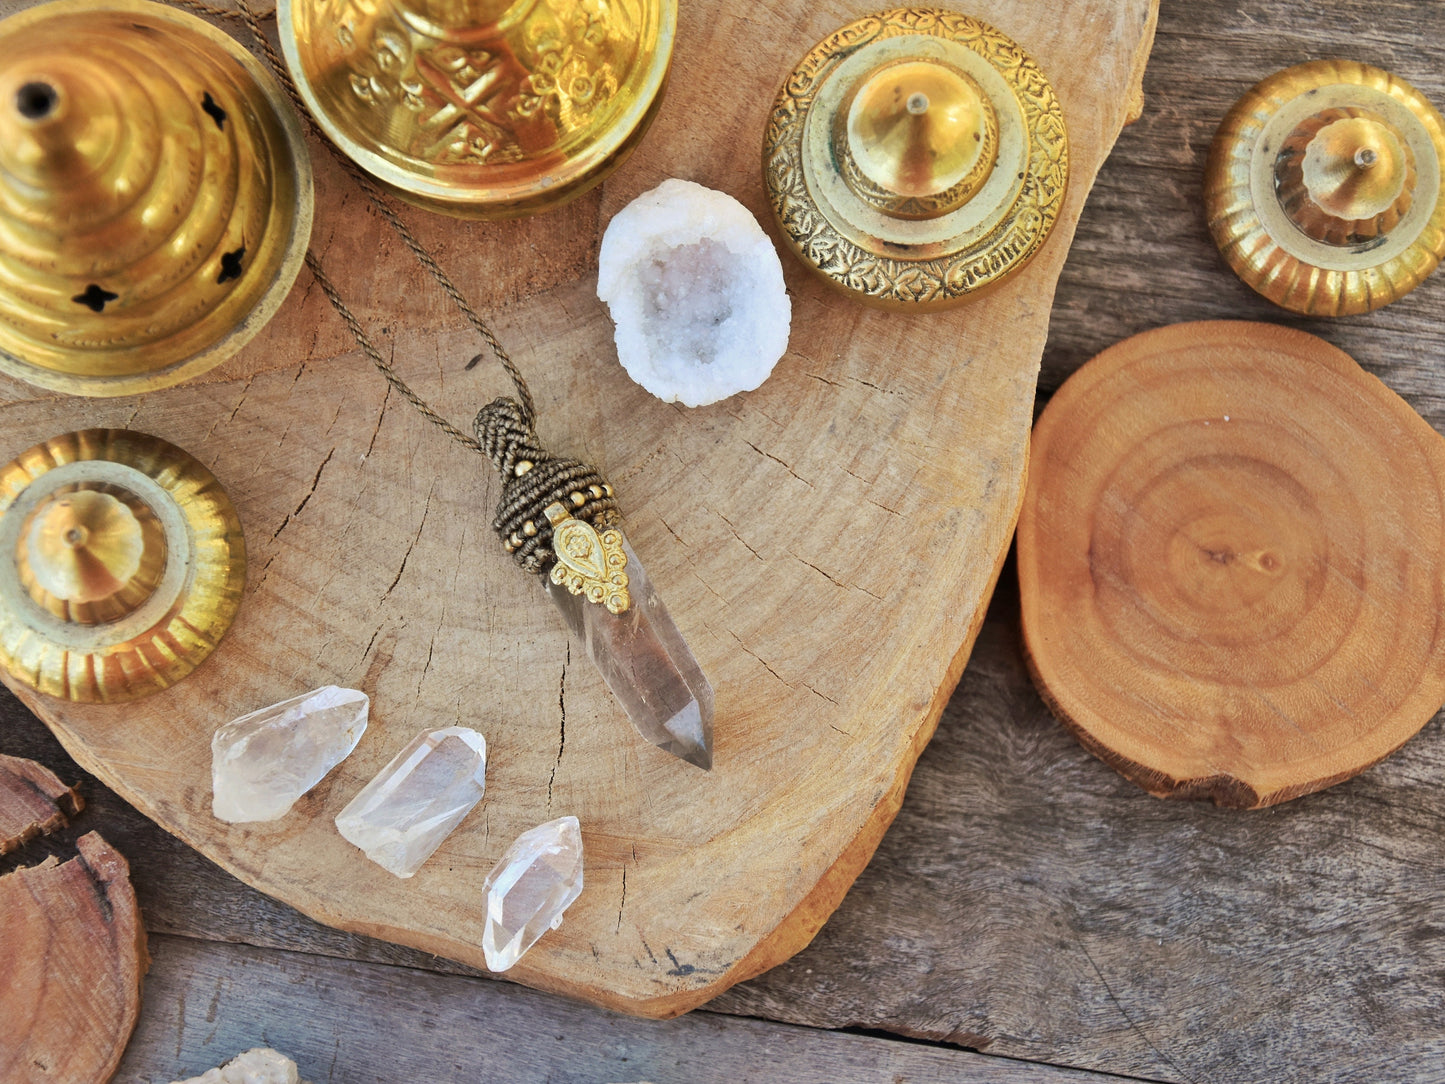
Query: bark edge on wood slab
{"points": [[1231, 560], [32, 802]]}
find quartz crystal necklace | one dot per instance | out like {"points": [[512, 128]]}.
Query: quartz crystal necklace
{"points": [[557, 517]]}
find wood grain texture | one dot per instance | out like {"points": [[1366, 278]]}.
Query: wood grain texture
{"points": [[1028, 900], [1230, 562], [826, 545], [213, 1003], [73, 952]]}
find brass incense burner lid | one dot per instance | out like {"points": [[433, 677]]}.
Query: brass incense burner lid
{"points": [[1324, 188], [155, 196], [915, 157], [481, 108], [121, 565]]}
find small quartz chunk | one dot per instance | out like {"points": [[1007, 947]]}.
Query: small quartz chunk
{"points": [[262, 762], [696, 291], [647, 664], [527, 891], [259, 1066], [402, 816]]}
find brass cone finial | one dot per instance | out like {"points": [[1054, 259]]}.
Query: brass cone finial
{"points": [[125, 565], [1324, 189], [920, 139], [155, 196], [1344, 176], [481, 108], [88, 556], [916, 157]]}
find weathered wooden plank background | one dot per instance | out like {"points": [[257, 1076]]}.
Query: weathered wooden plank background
{"points": [[1028, 902]]}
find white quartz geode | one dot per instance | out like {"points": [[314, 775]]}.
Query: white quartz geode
{"points": [[696, 291], [405, 813], [534, 882], [262, 762]]}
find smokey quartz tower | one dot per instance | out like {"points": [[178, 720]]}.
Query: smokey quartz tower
{"points": [[558, 518]]}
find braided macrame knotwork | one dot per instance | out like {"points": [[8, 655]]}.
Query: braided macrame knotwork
{"points": [[532, 479]]}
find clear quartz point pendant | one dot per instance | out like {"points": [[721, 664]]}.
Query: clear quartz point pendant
{"points": [[641, 654]]}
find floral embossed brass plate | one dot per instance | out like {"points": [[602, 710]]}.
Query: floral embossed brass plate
{"points": [[915, 157]]}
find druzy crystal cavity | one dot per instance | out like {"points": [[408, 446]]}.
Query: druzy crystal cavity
{"points": [[402, 816], [527, 891], [647, 665], [696, 291], [262, 762]]}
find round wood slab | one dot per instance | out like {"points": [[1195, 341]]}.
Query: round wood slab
{"points": [[1232, 561], [72, 945], [826, 544]]}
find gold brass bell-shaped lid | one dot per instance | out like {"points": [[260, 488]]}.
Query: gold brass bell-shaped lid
{"points": [[1324, 188], [481, 108], [916, 157], [122, 564], [155, 196]]}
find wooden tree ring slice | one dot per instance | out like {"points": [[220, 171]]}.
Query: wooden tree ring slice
{"points": [[1230, 563], [72, 947]]}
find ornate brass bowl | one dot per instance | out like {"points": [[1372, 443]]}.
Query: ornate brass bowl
{"points": [[122, 564], [155, 196], [481, 108], [1324, 188], [916, 157]]}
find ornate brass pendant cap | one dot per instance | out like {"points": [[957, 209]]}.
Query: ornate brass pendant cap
{"points": [[155, 196], [481, 108], [121, 565], [916, 157], [1324, 189]]}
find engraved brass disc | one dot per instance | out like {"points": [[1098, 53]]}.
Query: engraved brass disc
{"points": [[916, 157], [481, 108], [1324, 188], [155, 196], [122, 564]]}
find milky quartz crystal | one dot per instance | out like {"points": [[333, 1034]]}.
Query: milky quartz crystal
{"points": [[696, 291], [401, 817], [262, 762], [647, 665], [259, 1066], [527, 891]]}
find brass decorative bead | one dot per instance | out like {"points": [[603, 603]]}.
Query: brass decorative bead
{"points": [[578, 500], [522, 467], [607, 489], [529, 529], [596, 492]]}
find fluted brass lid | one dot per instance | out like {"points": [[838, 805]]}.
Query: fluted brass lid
{"points": [[121, 565], [481, 108], [155, 196], [1324, 188], [915, 157]]}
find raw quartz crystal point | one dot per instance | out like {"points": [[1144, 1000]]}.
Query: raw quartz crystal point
{"points": [[402, 816], [262, 762], [527, 891], [647, 665]]}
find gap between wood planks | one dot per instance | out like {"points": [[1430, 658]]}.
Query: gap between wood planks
{"points": [[346, 1022]]}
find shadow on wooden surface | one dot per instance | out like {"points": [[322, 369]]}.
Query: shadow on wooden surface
{"points": [[1028, 901]]}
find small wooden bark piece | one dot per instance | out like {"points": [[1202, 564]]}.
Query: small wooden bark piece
{"points": [[32, 801], [1230, 563], [72, 947]]}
